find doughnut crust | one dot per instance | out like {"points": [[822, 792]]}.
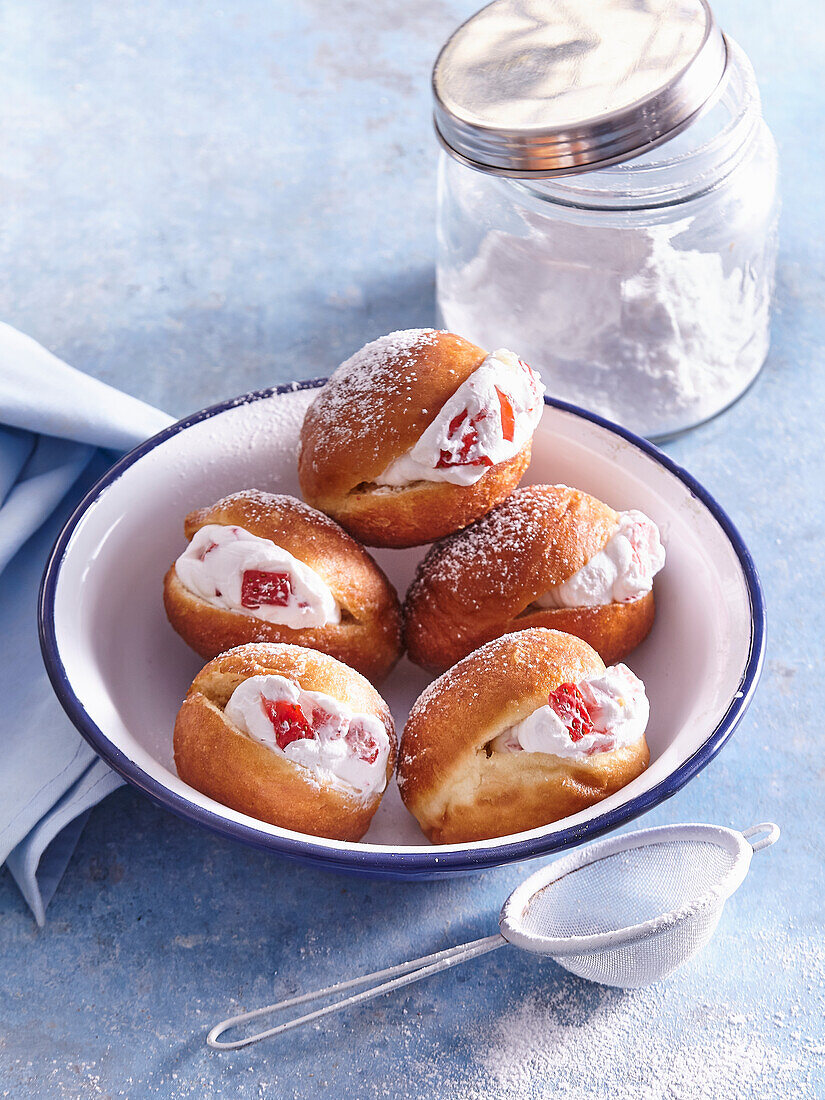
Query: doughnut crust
{"points": [[482, 582], [372, 410], [215, 757], [368, 637], [457, 789]]}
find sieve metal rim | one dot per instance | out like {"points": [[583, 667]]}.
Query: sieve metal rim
{"points": [[516, 905]]}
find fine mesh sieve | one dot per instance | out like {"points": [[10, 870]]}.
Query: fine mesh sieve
{"points": [[629, 910], [625, 912]]}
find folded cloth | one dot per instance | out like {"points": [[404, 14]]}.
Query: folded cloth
{"points": [[58, 431]]}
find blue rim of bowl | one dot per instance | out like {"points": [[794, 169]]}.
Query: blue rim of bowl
{"points": [[434, 861]]}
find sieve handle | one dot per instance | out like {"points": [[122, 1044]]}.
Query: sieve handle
{"points": [[400, 975], [771, 836]]}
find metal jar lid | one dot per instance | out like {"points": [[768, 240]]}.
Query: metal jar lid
{"points": [[537, 88]]}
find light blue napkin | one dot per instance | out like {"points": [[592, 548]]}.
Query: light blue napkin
{"points": [[58, 429]]}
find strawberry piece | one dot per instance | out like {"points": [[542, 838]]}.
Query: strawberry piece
{"points": [[568, 703], [322, 719], [468, 440], [508, 417], [456, 423], [362, 743], [642, 539], [259, 587], [530, 371], [288, 721], [533, 378], [205, 550]]}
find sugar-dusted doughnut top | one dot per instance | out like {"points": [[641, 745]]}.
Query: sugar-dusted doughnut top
{"points": [[535, 539], [377, 405], [494, 688], [357, 583]]}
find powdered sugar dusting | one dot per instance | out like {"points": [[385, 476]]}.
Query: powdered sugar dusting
{"points": [[483, 547], [259, 506], [381, 371], [270, 428], [488, 658], [539, 1042], [516, 648], [400, 346], [697, 1036]]}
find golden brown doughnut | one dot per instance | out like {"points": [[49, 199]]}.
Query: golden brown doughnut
{"points": [[461, 790], [368, 634], [372, 411], [217, 758], [483, 582]]}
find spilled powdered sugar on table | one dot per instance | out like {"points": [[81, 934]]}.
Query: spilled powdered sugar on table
{"points": [[689, 1038]]}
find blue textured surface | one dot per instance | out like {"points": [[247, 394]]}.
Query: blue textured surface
{"points": [[199, 201]]}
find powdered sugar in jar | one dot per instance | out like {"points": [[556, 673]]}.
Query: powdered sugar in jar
{"points": [[628, 253]]}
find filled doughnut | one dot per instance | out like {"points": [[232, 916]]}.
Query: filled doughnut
{"points": [[418, 434], [262, 567], [289, 736], [528, 729], [547, 556]]}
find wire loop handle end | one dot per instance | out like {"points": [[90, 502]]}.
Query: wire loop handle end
{"points": [[399, 975], [771, 836]]}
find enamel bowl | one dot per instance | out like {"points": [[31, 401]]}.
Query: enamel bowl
{"points": [[121, 672]]}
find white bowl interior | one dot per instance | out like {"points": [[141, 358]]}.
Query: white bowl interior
{"points": [[130, 670]]}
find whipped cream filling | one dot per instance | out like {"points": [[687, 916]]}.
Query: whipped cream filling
{"points": [[339, 747], [623, 570], [488, 420], [231, 568], [600, 714]]}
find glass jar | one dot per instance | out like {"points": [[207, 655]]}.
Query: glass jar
{"points": [[642, 290]]}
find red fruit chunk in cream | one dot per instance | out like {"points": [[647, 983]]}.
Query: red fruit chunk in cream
{"points": [[567, 703], [287, 720], [229, 567], [362, 743], [488, 420], [462, 440], [337, 746], [508, 417], [259, 587], [601, 713]]}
